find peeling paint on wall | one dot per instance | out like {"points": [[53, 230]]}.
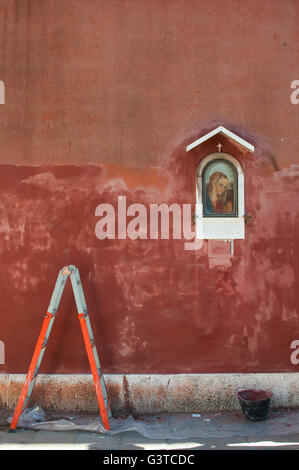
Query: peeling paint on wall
{"points": [[151, 301]]}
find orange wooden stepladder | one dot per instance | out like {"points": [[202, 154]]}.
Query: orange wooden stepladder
{"points": [[101, 392]]}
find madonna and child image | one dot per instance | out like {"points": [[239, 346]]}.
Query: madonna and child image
{"points": [[219, 189]]}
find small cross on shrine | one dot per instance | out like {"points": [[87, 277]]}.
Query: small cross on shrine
{"points": [[219, 147]]}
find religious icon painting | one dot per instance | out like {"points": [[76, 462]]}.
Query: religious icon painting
{"points": [[219, 185]]}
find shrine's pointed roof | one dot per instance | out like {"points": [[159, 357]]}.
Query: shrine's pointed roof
{"points": [[221, 130]]}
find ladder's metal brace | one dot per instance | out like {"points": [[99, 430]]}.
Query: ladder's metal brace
{"points": [[49, 317]]}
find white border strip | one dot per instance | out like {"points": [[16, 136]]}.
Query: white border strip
{"points": [[151, 393]]}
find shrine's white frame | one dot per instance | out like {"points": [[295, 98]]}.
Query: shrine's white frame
{"points": [[220, 228]]}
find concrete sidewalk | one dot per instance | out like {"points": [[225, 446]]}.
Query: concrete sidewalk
{"points": [[131, 440], [225, 431]]}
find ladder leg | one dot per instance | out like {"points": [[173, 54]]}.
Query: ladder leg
{"points": [[98, 367], [104, 405], [33, 369], [40, 347], [94, 370]]}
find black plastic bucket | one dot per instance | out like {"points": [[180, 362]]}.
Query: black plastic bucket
{"points": [[255, 403]]}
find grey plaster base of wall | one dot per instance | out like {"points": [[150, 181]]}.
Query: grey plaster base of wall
{"points": [[148, 394]]}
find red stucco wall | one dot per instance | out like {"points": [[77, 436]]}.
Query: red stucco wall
{"points": [[102, 98]]}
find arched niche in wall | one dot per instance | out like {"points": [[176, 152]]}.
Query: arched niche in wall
{"points": [[220, 180]]}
